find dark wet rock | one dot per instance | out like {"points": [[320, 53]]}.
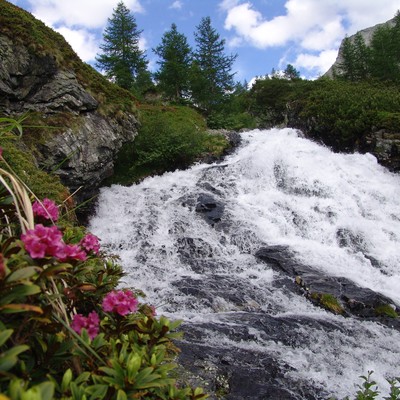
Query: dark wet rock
{"points": [[336, 294], [219, 292], [281, 259], [211, 209], [238, 373]]}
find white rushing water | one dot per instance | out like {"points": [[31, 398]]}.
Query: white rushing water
{"points": [[339, 213]]}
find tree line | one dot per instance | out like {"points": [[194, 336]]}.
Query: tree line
{"points": [[380, 60], [202, 75]]}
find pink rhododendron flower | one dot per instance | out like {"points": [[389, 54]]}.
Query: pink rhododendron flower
{"points": [[46, 209], [43, 241], [90, 243], [71, 252], [121, 302], [90, 323]]}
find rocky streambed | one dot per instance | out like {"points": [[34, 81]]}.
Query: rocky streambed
{"points": [[282, 261]]}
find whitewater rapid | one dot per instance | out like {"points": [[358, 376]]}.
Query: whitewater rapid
{"points": [[338, 213]]}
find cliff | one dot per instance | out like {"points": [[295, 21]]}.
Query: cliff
{"points": [[76, 121]]}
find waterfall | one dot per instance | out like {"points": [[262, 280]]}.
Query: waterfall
{"points": [[188, 239]]}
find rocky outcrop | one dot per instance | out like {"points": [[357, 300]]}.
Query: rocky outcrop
{"points": [[385, 146], [83, 146]]}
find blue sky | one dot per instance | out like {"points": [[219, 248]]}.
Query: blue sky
{"points": [[265, 34]]}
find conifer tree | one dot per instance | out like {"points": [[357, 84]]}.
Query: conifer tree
{"points": [[291, 72], [346, 68], [122, 60], [212, 76], [385, 59], [175, 62]]}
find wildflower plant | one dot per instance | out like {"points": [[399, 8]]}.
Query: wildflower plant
{"points": [[66, 331]]}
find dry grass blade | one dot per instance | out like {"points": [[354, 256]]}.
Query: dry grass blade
{"points": [[23, 206]]}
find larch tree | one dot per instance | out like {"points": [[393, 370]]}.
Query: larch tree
{"points": [[212, 77], [122, 60], [173, 76]]}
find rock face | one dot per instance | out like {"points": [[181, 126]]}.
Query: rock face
{"points": [[366, 35], [83, 149], [385, 146]]}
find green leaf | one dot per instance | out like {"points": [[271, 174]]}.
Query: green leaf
{"points": [[21, 274], [14, 351], [133, 366], [6, 363], [16, 308], [4, 335], [15, 388], [121, 395], [18, 292], [156, 383], [55, 270], [77, 392], [97, 392], [109, 371], [83, 377], [66, 380], [46, 390]]}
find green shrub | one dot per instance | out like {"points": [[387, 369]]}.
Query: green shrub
{"points": [[337, 112], [170, 138]]}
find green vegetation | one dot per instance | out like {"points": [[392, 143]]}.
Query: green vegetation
{"points": [[171, 137], [65, 331], [22, 163], [386, 310], [51, 47], [122, 60], [212, 78], [340, 113], [379, 61], [173, 77], [328, 301], [369, 390]]}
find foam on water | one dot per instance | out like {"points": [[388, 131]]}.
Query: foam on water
{"points": [[338, 213]]}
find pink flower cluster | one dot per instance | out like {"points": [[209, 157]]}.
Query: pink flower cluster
{"points": [[43, 241], [90, 243], [121, 302], [90, 323], [45, 209], [46, 241]]}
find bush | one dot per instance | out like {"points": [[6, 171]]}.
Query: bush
{"points": [[65, 330], [170, 138], [339, 113]]}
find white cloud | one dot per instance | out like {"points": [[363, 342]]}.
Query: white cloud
{"points": [[317, 64], [228, 4], [176, 5], [78, 20], [88, 13], [312, 24], [143, 45], [83, 42], [313, 29], [321, 38]]}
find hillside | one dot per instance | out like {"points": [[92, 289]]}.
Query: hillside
{"points": [[75, 120]]}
